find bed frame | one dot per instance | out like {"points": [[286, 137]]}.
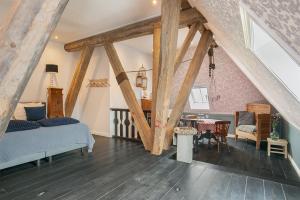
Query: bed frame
{"points": [[36, 157]]}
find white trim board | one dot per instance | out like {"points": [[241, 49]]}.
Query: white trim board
{"points": [[101, 133], [294, 164]]}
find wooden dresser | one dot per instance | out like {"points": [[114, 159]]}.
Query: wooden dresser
{"points": [[146, 104], [55, 103]]}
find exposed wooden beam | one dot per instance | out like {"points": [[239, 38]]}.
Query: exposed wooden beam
{"points": [[23, 38], [187, 84], [187, 17], [169, 34], [77, 80], [155, 72], [186, 44], [129, 95], [185, 5]]}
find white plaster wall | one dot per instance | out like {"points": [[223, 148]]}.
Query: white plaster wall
{"points": [[94, 101]]}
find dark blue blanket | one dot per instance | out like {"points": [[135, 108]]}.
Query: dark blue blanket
{"points": [[21, 125], [57, 121]]}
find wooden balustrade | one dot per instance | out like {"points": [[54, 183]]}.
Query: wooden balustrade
{"points": [[124, 126]]}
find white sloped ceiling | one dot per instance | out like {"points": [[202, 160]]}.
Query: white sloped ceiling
{"points": [[224, 20]]}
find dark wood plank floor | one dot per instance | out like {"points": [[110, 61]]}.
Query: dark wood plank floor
{"points": [[243, 158], [123, 170]]}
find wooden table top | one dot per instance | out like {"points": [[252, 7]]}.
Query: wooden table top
{"points": [[279, 141], [206, 121]]}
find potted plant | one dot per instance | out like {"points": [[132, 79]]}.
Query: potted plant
{"points": [[275, 126]]}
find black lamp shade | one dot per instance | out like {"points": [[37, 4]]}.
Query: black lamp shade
{"points": [[51, 68]]}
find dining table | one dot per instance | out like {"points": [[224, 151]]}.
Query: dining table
{"points": [[206, 128]]}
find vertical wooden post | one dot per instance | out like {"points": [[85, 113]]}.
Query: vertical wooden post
{"points": [[186, 44], [77, 80], [187, 84], [22, 42], [169, 35], [155, 73], [129, 95]]}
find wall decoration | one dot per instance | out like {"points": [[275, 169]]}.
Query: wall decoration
{"points": [[98, 83], [141, 78]]}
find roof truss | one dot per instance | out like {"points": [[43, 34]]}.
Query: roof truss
{"points": [[187, 17]]}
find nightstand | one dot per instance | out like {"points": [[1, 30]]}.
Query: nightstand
{"points": [[55, 103], [277, 146]]}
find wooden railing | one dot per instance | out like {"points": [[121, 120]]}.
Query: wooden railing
{"points": [[124, 126]]}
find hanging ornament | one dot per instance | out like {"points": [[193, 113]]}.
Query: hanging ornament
{"points": [[212, 65], [214, 96], [141, 78]]}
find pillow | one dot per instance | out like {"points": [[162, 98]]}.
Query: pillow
{"points": [[57, 121], [35, 113], [246, 118], [20, 113], [247, 128], [21, 125]]}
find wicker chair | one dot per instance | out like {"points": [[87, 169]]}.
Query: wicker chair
{"points": [[262, 124]]}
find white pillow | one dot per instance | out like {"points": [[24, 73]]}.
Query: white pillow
{"points": [[20, 113]]}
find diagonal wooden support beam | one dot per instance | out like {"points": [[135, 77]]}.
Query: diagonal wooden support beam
{"points": [[22, 42], [187, 84], [155, 72], [169, 35], [129, 95], [138, 29], [77, 80], [186, 44]]}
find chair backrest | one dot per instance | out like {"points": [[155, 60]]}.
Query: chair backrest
{"points": [[259, 108], [222, 127]]}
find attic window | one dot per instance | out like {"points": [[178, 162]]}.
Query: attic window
{"points": [[199, 98], [271, 54]]}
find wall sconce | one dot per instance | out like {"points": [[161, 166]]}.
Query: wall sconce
{"points": [[141, 78], [52, 70]]}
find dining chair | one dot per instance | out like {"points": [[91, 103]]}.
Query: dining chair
{"points": [[221, 133]]}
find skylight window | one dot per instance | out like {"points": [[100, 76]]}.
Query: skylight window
{"points": [[199, 98], [271, 54]]}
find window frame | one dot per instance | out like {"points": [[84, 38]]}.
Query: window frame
{"points": [[249, 24], [203, 101]]}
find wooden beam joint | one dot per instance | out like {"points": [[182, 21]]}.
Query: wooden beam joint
{"points": [[121, 77]]}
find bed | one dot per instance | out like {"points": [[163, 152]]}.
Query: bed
{"points": [[32, 145]]}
